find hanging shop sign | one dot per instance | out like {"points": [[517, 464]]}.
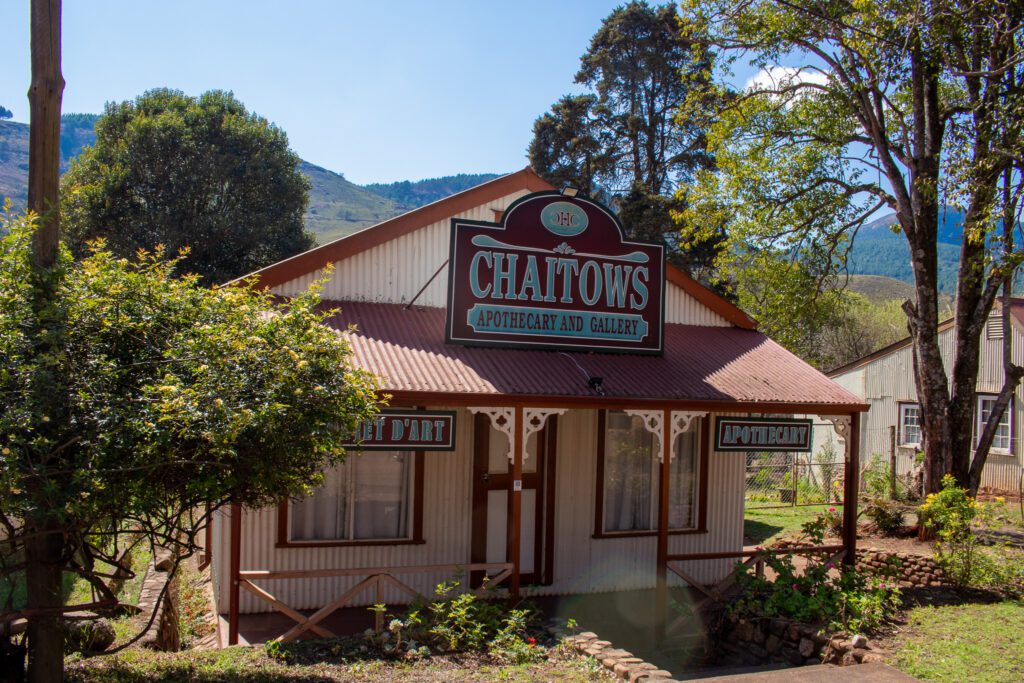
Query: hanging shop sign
{"points": [[408, 430], [763, 434], [555, 273]]}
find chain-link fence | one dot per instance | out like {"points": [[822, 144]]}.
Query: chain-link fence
{"points": [[788, 479]]}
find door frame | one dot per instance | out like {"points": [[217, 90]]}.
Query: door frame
{"points": [[542, 481]]}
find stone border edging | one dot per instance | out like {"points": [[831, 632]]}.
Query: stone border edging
{"points": [[619, 662]]}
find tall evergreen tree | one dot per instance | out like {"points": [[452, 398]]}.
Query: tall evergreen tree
{"points": [[622, 142]]}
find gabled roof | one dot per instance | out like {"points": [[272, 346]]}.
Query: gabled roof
{"points": [[385, 231], [1016, 318], [714, 368]]}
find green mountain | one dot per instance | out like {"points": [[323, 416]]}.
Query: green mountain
{"points": [[411, 194], [880, 249], [76, 131], [337, 207]]}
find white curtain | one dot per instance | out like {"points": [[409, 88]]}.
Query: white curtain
{"points": [[381, 495], [683, 484], [324, 514], [629, 474], [366, 497]]}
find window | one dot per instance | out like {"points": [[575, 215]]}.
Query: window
{"points": [[1001, 441], [631, 471], [367, 497], [910, 424]]}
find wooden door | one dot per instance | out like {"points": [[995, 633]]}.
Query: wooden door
{"points": [[491, 486]]}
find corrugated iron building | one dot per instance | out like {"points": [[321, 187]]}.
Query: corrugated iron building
{"points": [[389, 280], [885, 381]]}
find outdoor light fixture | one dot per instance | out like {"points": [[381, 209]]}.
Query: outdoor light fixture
{"points": [[570, 191]]}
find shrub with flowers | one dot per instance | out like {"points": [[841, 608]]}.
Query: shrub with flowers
{"points": [[828, 523], [950, 513], [819, 593]]}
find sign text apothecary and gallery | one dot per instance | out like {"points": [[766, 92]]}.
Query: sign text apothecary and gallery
{"points": [[556, 273]]}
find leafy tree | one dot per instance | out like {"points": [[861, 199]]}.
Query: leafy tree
{"points": [[882, 105], [181, 171], [5, 113], [135, 398], [623, 141]]}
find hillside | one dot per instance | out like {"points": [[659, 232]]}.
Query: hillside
{"points": [[878, 250], [411, 194], [879, 288], [337, 207]]}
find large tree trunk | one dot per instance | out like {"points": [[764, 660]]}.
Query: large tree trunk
{"points": [[43, 573]]}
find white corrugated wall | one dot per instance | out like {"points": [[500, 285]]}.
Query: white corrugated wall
{"points": [[885, 382], [582, 563], [395, 271]]}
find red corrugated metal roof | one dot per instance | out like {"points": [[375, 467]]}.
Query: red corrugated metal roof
{"points": [[407, 350]]}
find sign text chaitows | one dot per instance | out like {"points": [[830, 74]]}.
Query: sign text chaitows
{"points": [[556, 273]]}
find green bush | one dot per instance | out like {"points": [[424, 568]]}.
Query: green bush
{"points": [[887, 515], [460, 622], [828, 523], [950, 513], [819, 594], [846, 600]]}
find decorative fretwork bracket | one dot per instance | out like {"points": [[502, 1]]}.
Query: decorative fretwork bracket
{"points": [[653, 422], [841, 423], [681, 421], [533, 421], [503, 420]]}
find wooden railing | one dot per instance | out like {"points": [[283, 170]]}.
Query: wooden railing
{"points": [[375, 579], [717, 592]]}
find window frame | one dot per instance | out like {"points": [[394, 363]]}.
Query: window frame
{"points": [[978, 425], [284, 539], [901, 407], [700, 511]]}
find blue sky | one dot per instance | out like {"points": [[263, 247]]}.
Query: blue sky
{"points": [[380, 91]]}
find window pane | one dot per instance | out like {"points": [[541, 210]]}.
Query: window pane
{"points": [[683, 487], [910, 417], [366, 497], [381, 494], [323, 516], [630, 471], [1001, 441]]}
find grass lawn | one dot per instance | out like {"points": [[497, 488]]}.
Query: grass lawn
{"points": [[964, 643], [763, 525], [254, 665]]}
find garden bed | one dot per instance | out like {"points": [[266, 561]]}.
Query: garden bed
{"points": [[330, 660]]}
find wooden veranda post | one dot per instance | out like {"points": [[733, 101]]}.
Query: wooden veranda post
{"points": [[661, 586], [516, 502], [851, 486], [235, 567]]}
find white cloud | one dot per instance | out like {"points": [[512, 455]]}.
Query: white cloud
{"points": [[776, 76]]}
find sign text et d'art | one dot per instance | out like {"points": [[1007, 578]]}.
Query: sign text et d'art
{"points": [[556, 273], [406, 430]]}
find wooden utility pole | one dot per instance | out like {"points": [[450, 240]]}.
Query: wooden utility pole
{"points": [[44, 96], [44, 538]]}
